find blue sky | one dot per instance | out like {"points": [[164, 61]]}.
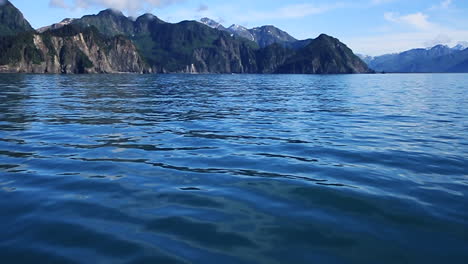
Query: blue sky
{"points": [[371, 27]]}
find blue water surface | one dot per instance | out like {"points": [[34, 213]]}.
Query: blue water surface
{"points": [[234, 168]]}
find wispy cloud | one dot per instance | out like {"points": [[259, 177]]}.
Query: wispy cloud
{"points": [[398, 42], [126, 5], [202, 8], [58, 3], [408, 31], [289, 12], [417, 20], [240, 15], [445, 4], [441, 39]]}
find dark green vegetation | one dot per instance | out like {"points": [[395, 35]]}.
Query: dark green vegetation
{"points": [[190, 46], [268, 35], [12, 21], [323, 55], [108, 40], [66, 49], [14, 48], [437, 59]]}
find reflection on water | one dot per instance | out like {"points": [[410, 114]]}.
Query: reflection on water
{"points": [[233, 169]]}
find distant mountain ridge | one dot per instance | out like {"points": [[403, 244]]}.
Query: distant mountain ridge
{"points": [[263, 36], [439, 58], [461, 46], [112, 42]]}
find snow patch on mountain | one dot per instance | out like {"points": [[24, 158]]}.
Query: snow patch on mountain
{"points": [[212, 24], [462, 45], [58, 25]]}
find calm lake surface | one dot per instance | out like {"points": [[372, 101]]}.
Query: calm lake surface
{"points": [[234, 169]]}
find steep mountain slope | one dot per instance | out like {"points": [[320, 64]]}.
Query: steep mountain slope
{"points": [[462, 64], [463, 45], [195, 47], [453, 62], [263, 36], [270, 58], [212, 24], [189, 46], [112, 42], [437, 59], [69, 50], [109, 22], [242, 32], [11, 20], [267, 35], [324, 54]]}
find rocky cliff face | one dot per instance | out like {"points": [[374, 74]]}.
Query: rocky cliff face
{"points": [[110, 42], [269, 59], [225, 57], [69, 50], [192, 47]]}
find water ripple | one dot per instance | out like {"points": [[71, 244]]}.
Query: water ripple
{"points": [[234, 169]]}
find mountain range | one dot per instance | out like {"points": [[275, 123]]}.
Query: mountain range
{"points": [[438, 59], [264, 36], [111, 42]]}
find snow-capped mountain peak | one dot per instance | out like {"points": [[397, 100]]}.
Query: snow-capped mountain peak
{"points": [[237, 27], [62, 23], [462, 45], [241, 31], [212, 24]]}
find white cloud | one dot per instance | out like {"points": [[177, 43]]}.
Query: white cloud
{"points": [[231, 13], [58, 3], [408, 31], [443, 5], [288, 12], [417, 20], [126, 5], [441, 39], [398, 42]]}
